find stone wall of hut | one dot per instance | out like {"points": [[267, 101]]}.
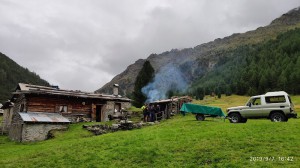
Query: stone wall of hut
{"points": [[39, 131], [20, 104], [7, 119], [109, 109], [126, 105], [15, 130]]}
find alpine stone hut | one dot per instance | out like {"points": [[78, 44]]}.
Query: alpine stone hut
{"points": [[34, 104]]}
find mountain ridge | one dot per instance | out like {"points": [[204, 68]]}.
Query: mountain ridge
{"points": [[197, 61]]}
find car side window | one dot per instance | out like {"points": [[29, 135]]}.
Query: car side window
{"points": [[275, 99], [256, 102]]}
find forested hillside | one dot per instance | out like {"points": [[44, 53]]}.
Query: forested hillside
{"points": [[11, 74], [256, 69]]}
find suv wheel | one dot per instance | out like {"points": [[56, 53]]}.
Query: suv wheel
{"points": [[200, 117], [278, 117], [235, 118]]}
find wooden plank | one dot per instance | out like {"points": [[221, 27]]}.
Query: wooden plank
{"points": [[41, 103]]}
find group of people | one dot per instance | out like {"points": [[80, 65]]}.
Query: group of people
{"points": [[150, 112]]}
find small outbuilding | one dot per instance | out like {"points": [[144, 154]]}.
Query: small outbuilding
{"points": [[171, 106], [35, 126]]}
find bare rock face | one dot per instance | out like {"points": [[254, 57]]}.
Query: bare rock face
{"points": [[290, 18], [194, 63]]}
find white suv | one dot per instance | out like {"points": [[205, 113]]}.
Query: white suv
{"points": [[276, 106]]}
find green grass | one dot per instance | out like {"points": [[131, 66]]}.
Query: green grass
{"points": [[134, 109], [224, 102], [179, 142], [296, 102]]}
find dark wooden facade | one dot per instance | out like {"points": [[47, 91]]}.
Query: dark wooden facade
{"points": [[75, 105], [171, 106]]}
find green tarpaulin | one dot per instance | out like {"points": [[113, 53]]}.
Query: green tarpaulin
{"points": [[207, 110]]}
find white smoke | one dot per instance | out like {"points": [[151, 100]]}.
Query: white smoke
{"points": [[168, 78]]}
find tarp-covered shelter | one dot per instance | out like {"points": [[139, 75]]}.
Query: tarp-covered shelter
{"points": [[206, 110]]}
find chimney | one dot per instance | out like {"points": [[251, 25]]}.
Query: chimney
{"points": [[116, 89]]}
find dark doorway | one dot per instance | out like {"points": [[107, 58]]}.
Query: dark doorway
{"points": [[117, 107], [98, 113]]}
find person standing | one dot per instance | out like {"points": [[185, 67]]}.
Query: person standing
{"points": [[145, 112], [152, 113]]}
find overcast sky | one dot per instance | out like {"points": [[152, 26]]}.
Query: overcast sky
{"points": [[83, 44]]}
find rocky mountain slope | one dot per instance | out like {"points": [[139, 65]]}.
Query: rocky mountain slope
{"points": [[11, 74], [190, 64]]}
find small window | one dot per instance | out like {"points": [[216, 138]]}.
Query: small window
{"points": [[275, 99], [63, 108]]}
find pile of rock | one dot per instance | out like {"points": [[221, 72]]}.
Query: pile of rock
{"points": [[98, 129], [122, 125]]}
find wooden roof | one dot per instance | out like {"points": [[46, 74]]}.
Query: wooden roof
{"points": [[36, 89], [172, 99]]}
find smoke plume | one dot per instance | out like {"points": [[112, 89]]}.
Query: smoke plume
{"points": [[168, 78]]}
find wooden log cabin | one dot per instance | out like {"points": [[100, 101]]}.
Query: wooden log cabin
{"points": [[74, 105], [171, 106]]}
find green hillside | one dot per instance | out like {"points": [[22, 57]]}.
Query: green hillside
{"points": [[11, 74], [256, 69], [178, 142]]}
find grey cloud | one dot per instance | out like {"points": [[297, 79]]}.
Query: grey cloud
{"points": [[81, 45]]}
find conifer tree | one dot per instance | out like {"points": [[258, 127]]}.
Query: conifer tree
{"points": [[144, 77]]}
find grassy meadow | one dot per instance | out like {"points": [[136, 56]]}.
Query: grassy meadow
{"points": [[179, 142]]}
